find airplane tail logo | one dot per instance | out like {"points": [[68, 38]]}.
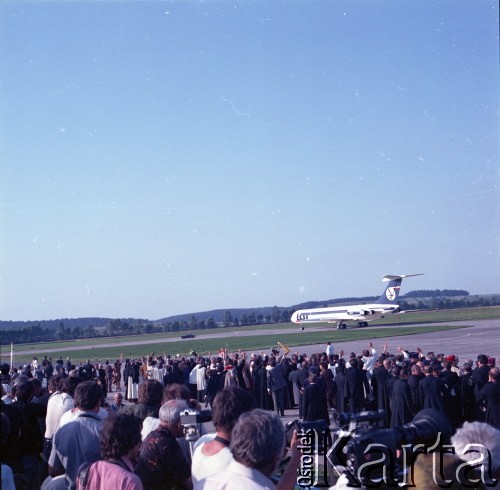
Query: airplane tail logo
{"points": [[392, 293]]}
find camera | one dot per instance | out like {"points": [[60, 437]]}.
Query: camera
{"points": [[195, 417], [191, 421], [364, 449]]}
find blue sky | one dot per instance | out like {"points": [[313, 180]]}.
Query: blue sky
{"points": [[167, 157]]}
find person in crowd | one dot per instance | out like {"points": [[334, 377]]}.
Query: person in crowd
{"points": [[432, 389], [340, 381], [479, 444], [276, 385], [489, 398], [119, 442], [326, 379], [60, 401], [108, 368], [257, 444], [315, 402], [369, 356], [357, 386], [18, 430], [6, 472], [32, 438], [150, 395], [480, 377], [118, 405], [161, 464], [201, 381], [215, 382], [402, 408], [466, 393], [212, 455], [77, 442], [413, 381], [117, 373]]}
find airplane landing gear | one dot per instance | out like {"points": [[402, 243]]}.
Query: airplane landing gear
{"points": [[362, 324], [341, 326]]}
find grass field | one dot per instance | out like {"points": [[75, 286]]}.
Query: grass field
{"points": [[83, 349]]}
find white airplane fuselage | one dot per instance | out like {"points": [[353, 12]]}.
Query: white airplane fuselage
{"points": [[357, 313]]}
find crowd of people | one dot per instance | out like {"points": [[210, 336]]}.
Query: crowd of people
{"points": [[59, 430]]}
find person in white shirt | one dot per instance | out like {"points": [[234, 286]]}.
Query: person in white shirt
{"points": [[369, 358], [60, 402], [212, 455], [257, 444], [330, 351]]}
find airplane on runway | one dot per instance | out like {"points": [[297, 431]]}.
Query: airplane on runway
{"points": [[385, 305]]}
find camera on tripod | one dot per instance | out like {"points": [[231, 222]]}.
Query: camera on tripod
{"points": [[191, 421]]}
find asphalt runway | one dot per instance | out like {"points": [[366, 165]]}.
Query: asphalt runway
{"points": [[482, 338]]}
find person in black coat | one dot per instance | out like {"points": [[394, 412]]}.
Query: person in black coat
{"points": [[413, 381], [215, 383], [315, 403], [356, 386], [489, 397], [480, 378], [379, 380], [466, 392], [432, 389], [451, 399], [340, 379], [402, 409]]}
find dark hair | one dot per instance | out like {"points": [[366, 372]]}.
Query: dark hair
{"points": [[69, 384], [25, 391], [151, 393], [229, 404], [482, 359], [87, 395], [175, 391], [120, 433], [54, 383]]}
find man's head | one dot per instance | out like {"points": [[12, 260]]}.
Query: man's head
{"points": [[482, 359], [88, 395], [118, 398], [120, 434], [228, 405], [25, 391], [170, 415], [258, 440], [494, 375], [151, 393]]}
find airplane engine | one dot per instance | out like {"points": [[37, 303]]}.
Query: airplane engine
{"points": [[367, 312]]}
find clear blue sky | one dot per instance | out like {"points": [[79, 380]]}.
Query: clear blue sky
{"points": [[167, 157]]}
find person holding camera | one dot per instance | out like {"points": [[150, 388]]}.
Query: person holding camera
{"points": [[161, 464]]}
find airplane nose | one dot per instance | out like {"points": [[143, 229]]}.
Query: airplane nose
{"points": [[294, 317]]}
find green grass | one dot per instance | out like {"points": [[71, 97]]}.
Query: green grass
{"points": [[235, 342]]}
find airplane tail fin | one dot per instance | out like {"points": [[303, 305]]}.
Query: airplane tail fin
{"points": [[391, 293]]}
